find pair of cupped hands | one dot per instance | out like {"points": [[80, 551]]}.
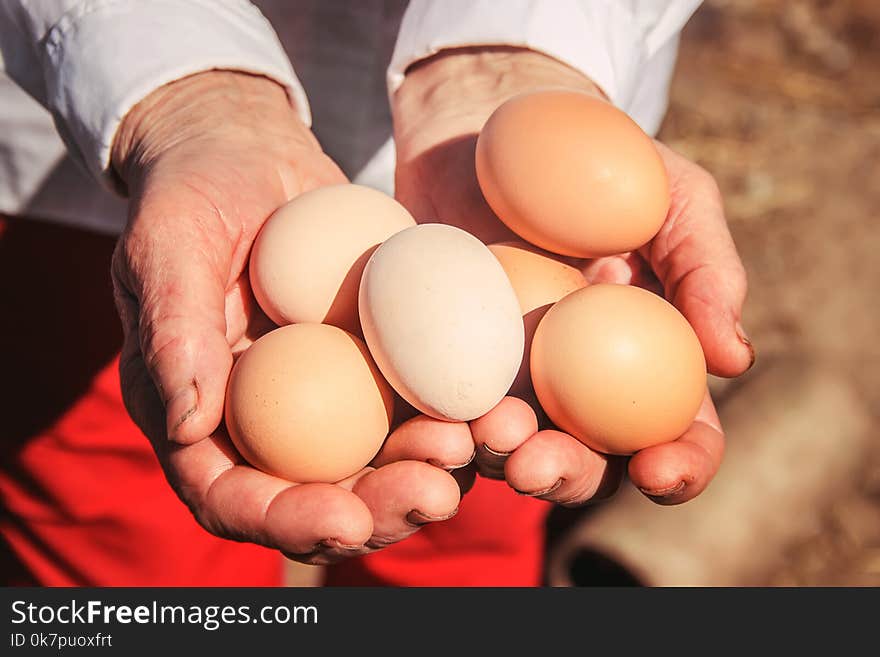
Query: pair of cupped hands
{"points": [[208, 158]]}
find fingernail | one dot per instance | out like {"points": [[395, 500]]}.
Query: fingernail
{"points": [[491, 451], [336, 544], [661, 493], [182, 406], [539, 493], [741, 334], [450, 468], [417, 518]]}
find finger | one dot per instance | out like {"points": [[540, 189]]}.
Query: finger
{"points": [[139, 394], [695, 257], [447, 445], [676, 472], [557, 467], [405, 495], [624, 269], [318, 517], [499, 432], [233, 500], [245, 320], [611, 269], [349, 482], [332, 550], [178, 278]]}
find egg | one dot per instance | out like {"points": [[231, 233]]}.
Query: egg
{"points": [[307, 260], [306, 403], [442, 321], [618, 367], [572, 174], [539, 280]]}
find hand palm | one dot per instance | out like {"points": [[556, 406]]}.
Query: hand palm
{"points": [[182, 291]]}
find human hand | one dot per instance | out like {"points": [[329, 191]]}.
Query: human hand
{"points": [[205, 161], [438, 113]]}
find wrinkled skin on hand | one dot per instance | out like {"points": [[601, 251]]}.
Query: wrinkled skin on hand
{"points": [[205, 160], [692, 261]]}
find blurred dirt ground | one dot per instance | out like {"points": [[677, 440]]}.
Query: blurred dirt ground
{"points": [[781, 102]]}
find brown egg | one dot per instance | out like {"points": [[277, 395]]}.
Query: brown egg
{"points": [[618, 367], [306, 402], [307, 260], [572, 174], [539, 280]]}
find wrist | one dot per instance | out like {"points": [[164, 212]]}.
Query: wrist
{"points": [[469, 83], [497, 70], [197, 106]]}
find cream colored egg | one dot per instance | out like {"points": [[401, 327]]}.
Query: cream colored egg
{"points": [[306, 402], [618, 367], [442, 321], [539, 279], [308, 258]]}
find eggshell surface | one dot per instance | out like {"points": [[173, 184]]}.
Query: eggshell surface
{"points": [[442, 321], [539, 280], [306, 402], [618, 367], [308, 258], [572, 174]]}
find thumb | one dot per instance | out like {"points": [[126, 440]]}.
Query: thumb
{"points": [[172, 271], [711, 298], [695, 258]]}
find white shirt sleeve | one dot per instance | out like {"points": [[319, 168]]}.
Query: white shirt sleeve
{"points": [[627, 47], [90, 61]]}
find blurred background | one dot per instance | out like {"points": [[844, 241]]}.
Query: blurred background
{"points": [[781, 102]]}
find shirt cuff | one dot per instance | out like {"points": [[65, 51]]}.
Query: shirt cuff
{"points": [[105, 56], [606, 41]]}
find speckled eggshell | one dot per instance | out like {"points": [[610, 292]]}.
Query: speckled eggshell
{"points": [[442, 321], [307, 403], [571, 173], [307, 260], [618, 367], [539, 280]]}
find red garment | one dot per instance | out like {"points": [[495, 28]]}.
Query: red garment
{"points": [[83, 500], [87, 503], [496, 539]]}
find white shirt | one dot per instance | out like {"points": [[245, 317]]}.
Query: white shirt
{"points": [[71, 69]]}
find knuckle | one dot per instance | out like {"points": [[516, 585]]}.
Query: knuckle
{"points": [[162, 340], [160, 345]]}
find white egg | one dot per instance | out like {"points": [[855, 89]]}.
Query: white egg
{"points": [[442, 321]]}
